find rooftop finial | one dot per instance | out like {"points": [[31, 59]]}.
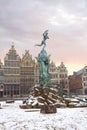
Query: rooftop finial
{"points": [[12, 44]]}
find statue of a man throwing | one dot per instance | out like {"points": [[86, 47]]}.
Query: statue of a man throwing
{"points": [[45, 37]]}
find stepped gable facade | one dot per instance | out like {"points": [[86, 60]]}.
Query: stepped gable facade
{"points": [[12, 73], [63, 77], [27, 73]]}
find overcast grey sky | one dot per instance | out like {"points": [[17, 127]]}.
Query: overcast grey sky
{"points": [[24, 21]]}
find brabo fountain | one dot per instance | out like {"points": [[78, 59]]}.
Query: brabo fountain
{"points": [[43, 96], [44, 77]]}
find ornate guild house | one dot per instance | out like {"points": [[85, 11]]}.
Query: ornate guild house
{"points": [[12, 73], [27, 73]]}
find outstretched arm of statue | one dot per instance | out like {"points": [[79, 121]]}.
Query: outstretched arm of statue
{"points": [[39, 44]]}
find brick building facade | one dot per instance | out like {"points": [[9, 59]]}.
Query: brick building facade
{"points": [[78, 82]]}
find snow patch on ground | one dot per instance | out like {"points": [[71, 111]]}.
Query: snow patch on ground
{"points": [[14, 118]]}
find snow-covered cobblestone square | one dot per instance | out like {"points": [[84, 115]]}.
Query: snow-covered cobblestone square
{"points": [[14, 118]]}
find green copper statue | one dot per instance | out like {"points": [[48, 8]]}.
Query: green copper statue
{"points": [[44, 61], [45, 37]]}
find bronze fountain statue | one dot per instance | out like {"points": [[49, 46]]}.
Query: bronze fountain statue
{"points": [[44, 61]]}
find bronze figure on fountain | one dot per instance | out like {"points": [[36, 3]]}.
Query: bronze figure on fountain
{"points": [[44, 60]]}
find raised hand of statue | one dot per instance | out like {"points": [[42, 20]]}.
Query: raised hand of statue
{"points": [[45, 37]]}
